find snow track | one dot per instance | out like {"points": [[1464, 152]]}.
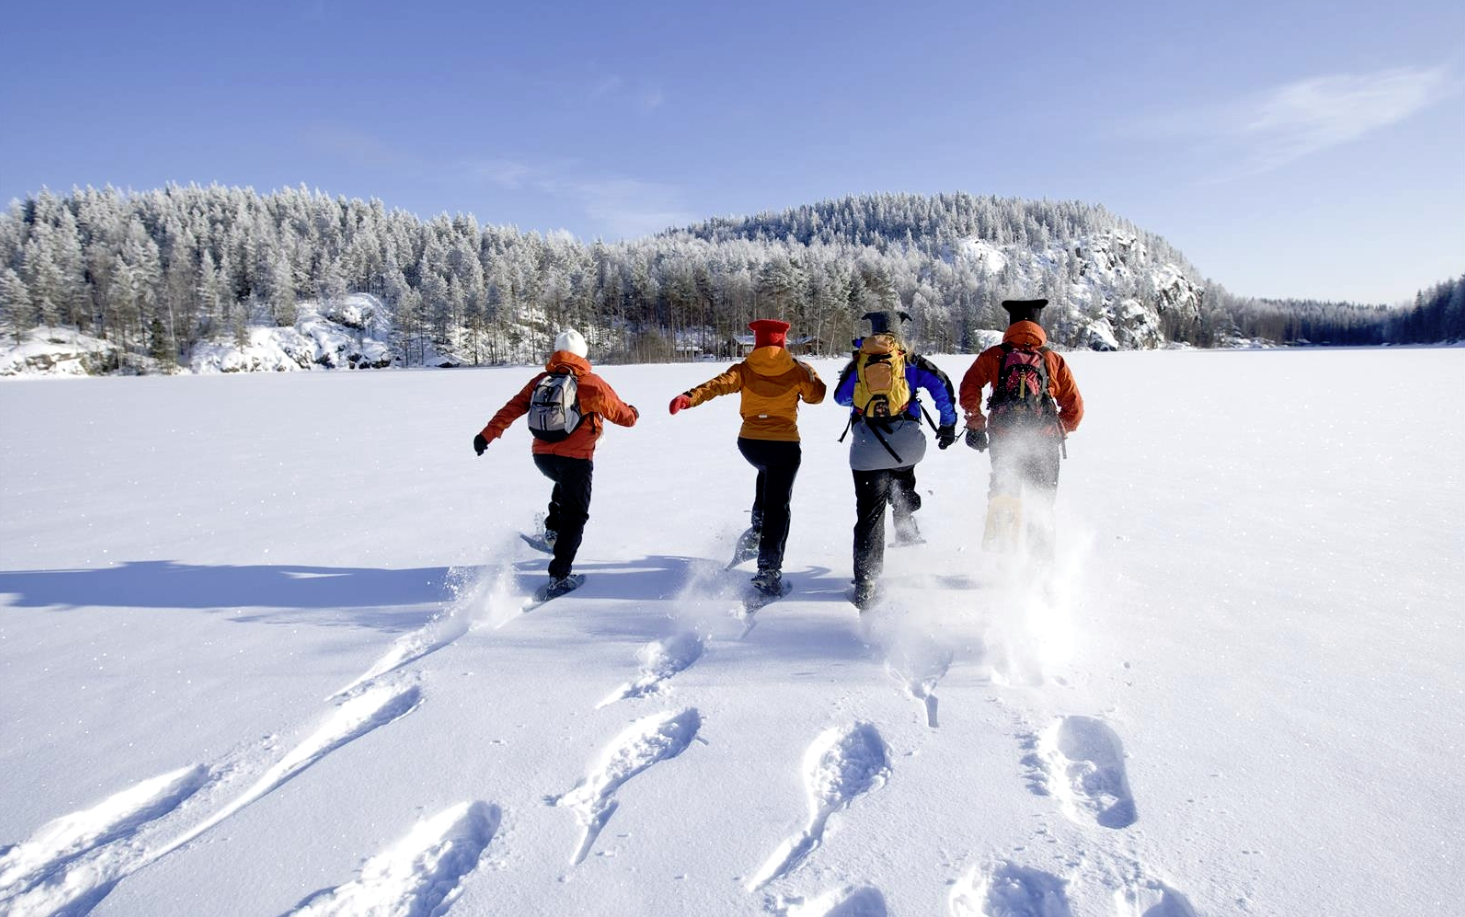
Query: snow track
{"points": [[1084, 765], [421, 875], [660, 660], [70, 837], [840, 766], [1010, 890], [646, 742]]}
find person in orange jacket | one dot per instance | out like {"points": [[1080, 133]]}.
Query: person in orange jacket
{"points": [[568, 462], [771, 383], [1034, 405]]}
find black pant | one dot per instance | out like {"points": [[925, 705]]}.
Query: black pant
{"points": [[778, 464], [569, 507], [903, 497], [874, 489], [1025, 464]]}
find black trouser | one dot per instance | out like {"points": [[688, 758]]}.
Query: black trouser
{"points": [[778, 464], [874, 489], [903, 497], [569, 507]]}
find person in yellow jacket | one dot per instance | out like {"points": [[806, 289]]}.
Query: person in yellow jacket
{"points": [[771, 383]]}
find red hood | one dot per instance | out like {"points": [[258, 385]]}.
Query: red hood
{"points": [[1025, 334]]}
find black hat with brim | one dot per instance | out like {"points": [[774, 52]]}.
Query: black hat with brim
{"points": [[1024, 310], [880, 321]]}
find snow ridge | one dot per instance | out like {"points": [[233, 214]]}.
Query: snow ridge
{"points": [[70, 837]]}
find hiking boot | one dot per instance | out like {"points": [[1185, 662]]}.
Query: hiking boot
{"points": [[864, 594], [768, 582]]}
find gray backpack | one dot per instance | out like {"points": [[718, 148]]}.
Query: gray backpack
{"points": [[554, 408]]}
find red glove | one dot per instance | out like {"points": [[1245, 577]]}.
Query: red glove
{"points": [[679, 403]]}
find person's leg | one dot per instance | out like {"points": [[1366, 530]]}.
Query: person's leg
{"points": [[904, 501], [872, 491], [573, 479], [778, 466]]}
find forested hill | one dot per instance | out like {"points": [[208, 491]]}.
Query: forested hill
{"points": [[932, 223], [210, 277]]}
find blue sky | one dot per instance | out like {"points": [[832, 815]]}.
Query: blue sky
{"points": [[1288, 149]]}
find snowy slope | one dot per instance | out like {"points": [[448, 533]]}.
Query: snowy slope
{"points": [[261, 652]]}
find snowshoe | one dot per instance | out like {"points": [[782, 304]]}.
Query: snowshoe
{"points": [[1004, 523], [747, 547], [554, 589], [766, 586], [542, 544], [907, 533]]}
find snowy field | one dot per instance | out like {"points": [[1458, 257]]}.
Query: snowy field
{"points": [[261, 653]]}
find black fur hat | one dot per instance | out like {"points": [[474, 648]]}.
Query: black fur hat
{"points": [[1024, 310], [880, 321]]}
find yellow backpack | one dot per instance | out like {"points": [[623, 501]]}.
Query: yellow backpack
{"points": [[881, 389]]}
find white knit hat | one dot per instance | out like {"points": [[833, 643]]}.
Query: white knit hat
{"points": [[573, 341]]}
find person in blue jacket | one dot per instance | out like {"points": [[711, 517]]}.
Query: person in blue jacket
{"points": [[887, 444]]}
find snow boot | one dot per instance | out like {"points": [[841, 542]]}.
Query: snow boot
{"points": [[907, 532], [864, 595], [768, 582]]}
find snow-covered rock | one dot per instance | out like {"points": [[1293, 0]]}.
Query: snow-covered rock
{"points": [[58, 352]]}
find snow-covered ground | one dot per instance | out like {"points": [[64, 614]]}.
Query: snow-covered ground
{"points": [[261, 651]]}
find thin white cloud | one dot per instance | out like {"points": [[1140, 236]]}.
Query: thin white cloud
{"points": [[619, 207], [605, 87], [1273, 128], [1309, 116]]}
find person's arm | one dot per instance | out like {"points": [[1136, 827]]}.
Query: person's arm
{"points": [[725, 383], [939, 393], [811, 387], [844, 391], [517, 407], [1065, 392], [980, 374], [603, 400]]}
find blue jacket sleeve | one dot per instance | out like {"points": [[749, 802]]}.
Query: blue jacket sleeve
{"points": [[920, 378], [844, 393]]}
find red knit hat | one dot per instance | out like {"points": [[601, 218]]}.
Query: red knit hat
{"points": [[769, 332]]}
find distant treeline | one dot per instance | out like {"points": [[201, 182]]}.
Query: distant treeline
{"points": [[158, 271]]}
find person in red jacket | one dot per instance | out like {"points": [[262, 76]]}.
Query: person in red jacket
{"points": [[568, 462], [1034, 405]]}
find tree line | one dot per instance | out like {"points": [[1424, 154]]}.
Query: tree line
{"points": [[159, 271]]}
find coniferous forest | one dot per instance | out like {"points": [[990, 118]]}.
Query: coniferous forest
{"points": [[157, 273]]}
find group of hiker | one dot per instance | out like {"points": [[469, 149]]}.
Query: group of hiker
{"points": [[1033, 405]]}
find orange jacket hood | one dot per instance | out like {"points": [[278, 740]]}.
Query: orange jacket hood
{"points": [[561, 360], [1025, 334], [770, 361]]}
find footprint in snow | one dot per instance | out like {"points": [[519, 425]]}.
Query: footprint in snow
{"points": [[1082, 764], [1151, 898], [660, 660], [919, 667], [647, 741], [70, 837], [1009, 890], [849, 901], [841, 765], [422, 874]]}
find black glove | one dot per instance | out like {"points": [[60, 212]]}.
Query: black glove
{"points": [[635, 413], [479, 443], [945, 435], [977, 439]]}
